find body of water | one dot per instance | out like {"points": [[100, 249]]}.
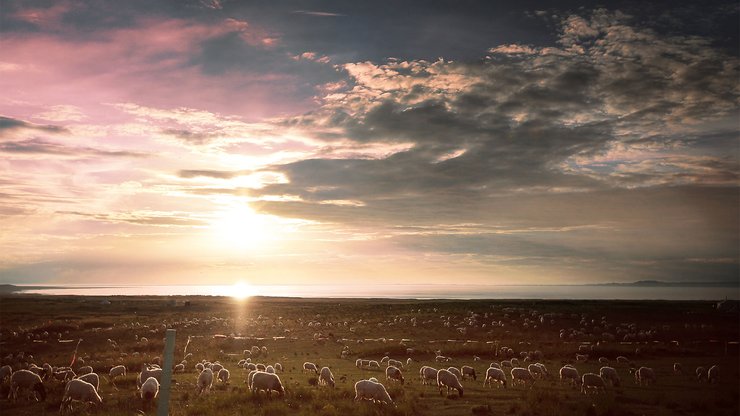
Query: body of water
{"points": [[625, 292]]}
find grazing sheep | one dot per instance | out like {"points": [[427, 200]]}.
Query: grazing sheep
{"points": [[278, 367], [205, 381], [149, 389], [495, 374], [117, 371], [308, 366], [394, 363], [591, 381], [581, 358], [261, 367], [358, 363], [701, 374], [677, 369], [372, 390], [645, 376], [409, 361], [5, 372], [535, 370], [441, 359], [79, 390], [603, 360], [180, 368], [26, 380], [623, 360], [428, 374], [514, 362], [263, 350], [223, 375], [250, 376], [326, 377], [64, 375], [543, 369], [506, 364], [146, 373], [384, 359], [216, 367], [495, 365], [270, 369], [199, 367], [468, 371], [394, 373], [455, 371], [267, 382], [521, 375], [373, 364], [84, 370], [446, 378], [610, 374], [571, 374], [713, 374], [91, 378]]}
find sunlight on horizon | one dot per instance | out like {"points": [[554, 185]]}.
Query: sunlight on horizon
{"points": [[241, 290]]}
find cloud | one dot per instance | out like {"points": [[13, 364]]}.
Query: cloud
{"points": [[160, 219], [317, 13], [39, 146], [12, 124]]}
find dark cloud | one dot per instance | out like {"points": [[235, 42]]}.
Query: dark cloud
{"points": [[39, 146], [10, 124]]}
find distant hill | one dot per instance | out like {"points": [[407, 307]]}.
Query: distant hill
{"points": [[658, 283]]}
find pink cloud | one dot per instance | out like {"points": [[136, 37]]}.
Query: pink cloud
{"points": [[150, 64]]}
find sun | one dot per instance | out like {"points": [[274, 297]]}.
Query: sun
{"points": [[239, 227], [241, 290]]}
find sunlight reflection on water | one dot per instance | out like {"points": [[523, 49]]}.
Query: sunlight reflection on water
{"points": [[408, 291]]}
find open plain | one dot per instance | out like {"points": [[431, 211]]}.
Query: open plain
{"points": [[336, 333]]}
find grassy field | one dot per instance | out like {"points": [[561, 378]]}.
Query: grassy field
{"points": [[660, 333]]}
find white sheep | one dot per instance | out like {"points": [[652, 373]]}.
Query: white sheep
{"points": [[521, 375], [270, 369], [713, 374], [570, 373], [645, 376], [117, 371], [278, 367], [179, 368], [261, 367], [592, 381], [84, 370], [199, 367], [535, 370], [384, 359], [26, 380], [441, 359], [216, 367], [610, 374], [223, 375], [468, 371], [149, 389], [326, 377], [263, 350], [267, 382], [358, 363], [394, 373], [91, 378], [309, 366], [205, 381], [428, 374], [250, 376], [147, 372], [409, 361], [495, 365], [456, 372], [79, 390], [394, 363], [623, 360], [446, 378], [495, 374], [371, 390], [373, 364]]}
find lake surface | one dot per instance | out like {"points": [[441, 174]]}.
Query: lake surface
{"points": [[406, 291]]}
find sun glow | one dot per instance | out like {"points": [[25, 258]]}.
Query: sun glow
{"points": [[241, 290], [239, 227]]}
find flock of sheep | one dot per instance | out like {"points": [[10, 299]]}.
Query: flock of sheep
{"points": [[82, 383]]}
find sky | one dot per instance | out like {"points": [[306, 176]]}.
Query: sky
{"points": [[377, 142]]}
